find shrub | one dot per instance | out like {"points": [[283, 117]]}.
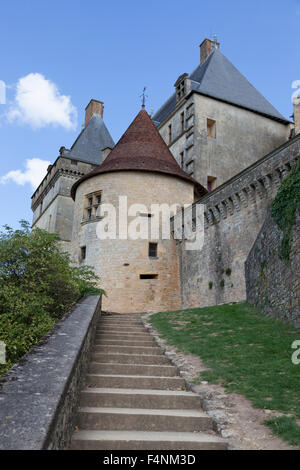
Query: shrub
{"points": [[38, 284], [285, 207]]}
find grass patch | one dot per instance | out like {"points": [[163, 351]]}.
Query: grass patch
{"points": [[246, 352], [286, 427]]}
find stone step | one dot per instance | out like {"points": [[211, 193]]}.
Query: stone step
{"points": [[122, 329], [123, 335], [134, 440], [139, 398], [122, 342], [132, 369], [135, 381], [128, 349], [127, 337], [121, 322], [134, 419], [130, 358]]}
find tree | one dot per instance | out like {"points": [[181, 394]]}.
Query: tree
{"points": [[38, 284]]}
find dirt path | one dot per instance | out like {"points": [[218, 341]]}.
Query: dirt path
{"points": [[236, 419]]}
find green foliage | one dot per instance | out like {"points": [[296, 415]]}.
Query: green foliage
{"points": [[228, 272], [210, 284], [245, 351], [222, 284], [285, 207], [286, 427], [38, 284]]}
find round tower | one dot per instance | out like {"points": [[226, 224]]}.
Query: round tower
{"points": [[116, 228]]}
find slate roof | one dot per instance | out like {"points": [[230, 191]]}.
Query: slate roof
{"points": [[141, 148], [91, 141], [217, 77]]}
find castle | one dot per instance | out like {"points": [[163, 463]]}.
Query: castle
{"points": [[216, 142]]}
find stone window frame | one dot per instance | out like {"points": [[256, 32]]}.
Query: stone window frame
{"points": [[91, 204]]}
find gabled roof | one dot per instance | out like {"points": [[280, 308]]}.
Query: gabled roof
{"points": [[217, 77], [91, 141], [141, 148]]}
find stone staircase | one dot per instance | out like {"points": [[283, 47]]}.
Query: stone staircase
{"points": [[135, 399]]}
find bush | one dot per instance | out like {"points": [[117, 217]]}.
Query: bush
{"points": [[38, 284], [285, 207]]}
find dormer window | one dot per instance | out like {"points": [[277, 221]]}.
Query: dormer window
{"points": [[180, 86]]}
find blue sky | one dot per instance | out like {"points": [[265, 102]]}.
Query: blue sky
{"points": [[110, 51]]}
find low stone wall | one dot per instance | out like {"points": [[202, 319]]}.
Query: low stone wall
{"points": [[39, 394], [233, 216], [272, 283]]}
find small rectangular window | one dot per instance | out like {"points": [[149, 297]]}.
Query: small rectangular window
{"points": [[211, 183], [152, 250], [99, 199], [83, 252], [89, 213], [148, 276], [90, 201], [211, 128]]}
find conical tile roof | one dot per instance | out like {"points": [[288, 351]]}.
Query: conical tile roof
{"points": [[141, 148]]}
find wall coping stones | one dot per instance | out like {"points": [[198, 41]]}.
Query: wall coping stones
{"points": [[40, 392], [260, 180]]}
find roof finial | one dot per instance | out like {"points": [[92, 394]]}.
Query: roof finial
{"points": [[144, 96], [216, 41]]}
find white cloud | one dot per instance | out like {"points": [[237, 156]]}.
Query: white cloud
{"points": [[39, 103], [35, 170]]}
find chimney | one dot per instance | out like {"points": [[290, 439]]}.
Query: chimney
{"points": [[94, 107], [207, 47], [296, 104]]}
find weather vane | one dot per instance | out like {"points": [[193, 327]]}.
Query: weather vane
{"points": [[144, 96]]}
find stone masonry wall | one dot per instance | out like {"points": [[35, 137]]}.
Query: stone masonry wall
{"points": [[242, 137], [234, 215], [273, 284]]}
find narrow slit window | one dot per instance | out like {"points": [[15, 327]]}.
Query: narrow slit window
{"points": [[170, 133], [181, 159], [148, 276], [152, 250], [182, 121]]}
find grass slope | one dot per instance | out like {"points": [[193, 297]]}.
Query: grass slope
{"points": [[247, 352]]}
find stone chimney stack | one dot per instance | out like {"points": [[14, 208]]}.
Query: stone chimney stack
{"points": [[94, 107], [207, 47], [296, 103]]}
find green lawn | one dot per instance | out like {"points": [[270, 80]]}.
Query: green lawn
{"points": [[246, 352]]}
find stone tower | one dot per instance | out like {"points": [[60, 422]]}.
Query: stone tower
{"points": [[52, 204], [138, 274]]}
